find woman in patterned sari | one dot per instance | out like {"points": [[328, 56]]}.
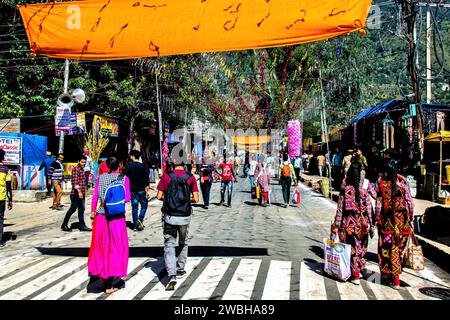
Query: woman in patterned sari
{"points": [[393, 215], [353, 221]]}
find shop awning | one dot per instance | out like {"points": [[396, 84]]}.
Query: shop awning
{"points": [[442, 135], [123, 29]]}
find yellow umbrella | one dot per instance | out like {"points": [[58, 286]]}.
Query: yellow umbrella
{"points": [[440, 136]]}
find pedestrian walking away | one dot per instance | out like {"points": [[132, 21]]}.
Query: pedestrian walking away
{"points": [[175, 190], [88, 168], [46, 164], [394, 216], [227, 176], [5, 193], [321, 161], [109, 251], [77, 196], [353, 221], [140, 188], [287, 175], [251, 170], [206, 179], [56, 172], [298, 167], [262, 180]]}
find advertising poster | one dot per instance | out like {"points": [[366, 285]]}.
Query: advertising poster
{"points": [[105, 126], [77, 124], [13, 150]]}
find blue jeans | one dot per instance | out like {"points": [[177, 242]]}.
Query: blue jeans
{"points": [[136, 199], [223, 186], [252, 181]]}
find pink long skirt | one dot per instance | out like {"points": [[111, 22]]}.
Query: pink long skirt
{"points": [[108, 255]]}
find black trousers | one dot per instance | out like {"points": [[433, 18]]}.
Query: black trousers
{"points": [[206, 189], [2, 217], [286, 188], [75, 203], [48, 182]]}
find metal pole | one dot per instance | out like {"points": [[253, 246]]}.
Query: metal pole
{"points": [[66, 84], [429, 56], [325, 132], [159, 117], [440, 169]]}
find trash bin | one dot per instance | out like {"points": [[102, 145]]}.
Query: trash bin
{"points": [[447, 170], [325, 187]]}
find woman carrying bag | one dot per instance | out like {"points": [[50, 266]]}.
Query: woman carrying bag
{"points": [[393, 215], [108, 254], [262, 181], [353, 221]]}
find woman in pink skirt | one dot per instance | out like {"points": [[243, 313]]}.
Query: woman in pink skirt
{"points": [[108, 255]]}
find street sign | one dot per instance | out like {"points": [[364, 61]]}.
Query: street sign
{"points": [[13, 150]]}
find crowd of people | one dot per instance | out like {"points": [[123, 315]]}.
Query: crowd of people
{"points": [[119, 183]]}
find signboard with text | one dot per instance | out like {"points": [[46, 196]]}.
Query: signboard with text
{"points": [[105, 126], [13, 150], [77, 124]]}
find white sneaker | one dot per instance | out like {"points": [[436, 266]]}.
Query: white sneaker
{"points": [[356, 281]]}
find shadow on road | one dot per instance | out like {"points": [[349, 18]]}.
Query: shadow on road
{"points": [[194, 251]]}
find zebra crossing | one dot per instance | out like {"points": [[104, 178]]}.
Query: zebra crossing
{"points": [[207, 278]]}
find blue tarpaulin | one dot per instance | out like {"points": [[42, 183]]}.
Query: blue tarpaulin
{"points": [[395, 105]]}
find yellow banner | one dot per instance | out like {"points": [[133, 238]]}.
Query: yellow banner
{"points": [[119, 29]]}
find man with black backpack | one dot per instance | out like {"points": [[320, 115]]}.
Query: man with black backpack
{"points": [[175, 189]]}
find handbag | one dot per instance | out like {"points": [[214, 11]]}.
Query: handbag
{"points": [[413, 255]]}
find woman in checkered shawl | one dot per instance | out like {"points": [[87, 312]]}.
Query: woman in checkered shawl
{"points": [[108, 255]]}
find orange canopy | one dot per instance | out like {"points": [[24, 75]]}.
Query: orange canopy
{"points": [[119, 29]]}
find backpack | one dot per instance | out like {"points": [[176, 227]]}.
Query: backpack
{"points": [[115, 197], [177, 201], [286, 172]]}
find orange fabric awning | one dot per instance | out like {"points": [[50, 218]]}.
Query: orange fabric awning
{"points": [[120, 29]]}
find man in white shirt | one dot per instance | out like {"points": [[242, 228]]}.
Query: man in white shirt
{"points": [[251, 171]]}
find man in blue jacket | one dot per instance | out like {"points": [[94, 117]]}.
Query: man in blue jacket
{"points": [[46, 163]]}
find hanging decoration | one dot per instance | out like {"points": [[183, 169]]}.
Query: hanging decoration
{"points": [[295, 139]]}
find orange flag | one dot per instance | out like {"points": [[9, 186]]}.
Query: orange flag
{"points": [[120, 29]]}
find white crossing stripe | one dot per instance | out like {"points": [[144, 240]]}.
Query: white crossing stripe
{"points": [[75, 281], [159, 293], [350, 291], [381, 291], [84, 295], [134, 285], [312, 285], [415, 281], [29, 272], [206, 283], [243, 281], [278, 282], [16, 264], [42, 281]]}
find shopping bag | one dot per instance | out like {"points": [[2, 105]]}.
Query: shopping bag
{"points": [[413, 255], [337, 258], [258, 192], [253, 192], [296, 196]]}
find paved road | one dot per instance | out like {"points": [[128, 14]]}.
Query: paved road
{"points": [[244, 252]]}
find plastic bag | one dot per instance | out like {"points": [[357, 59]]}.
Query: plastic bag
{"points": [[337, 258], [296, 196]]}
